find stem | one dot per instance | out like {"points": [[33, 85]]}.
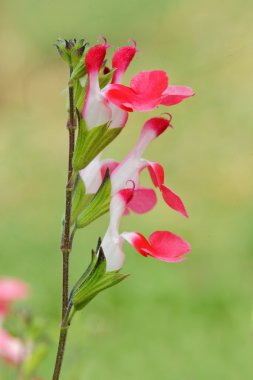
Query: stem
{"points": [[66, 241], [61, 345]]}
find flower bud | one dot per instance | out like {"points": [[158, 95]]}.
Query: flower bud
{"points": [[71, 50], [94, 280]]}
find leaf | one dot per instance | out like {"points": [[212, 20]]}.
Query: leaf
{"points": [[98, 205]]}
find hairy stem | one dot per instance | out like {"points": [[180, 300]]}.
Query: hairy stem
{"points": [[66, 241]]}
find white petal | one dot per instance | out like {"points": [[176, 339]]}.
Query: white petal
{"points": [[112, 242], [114, 254], [125, 172], [119, 117], [96, 109], [91, 176]]}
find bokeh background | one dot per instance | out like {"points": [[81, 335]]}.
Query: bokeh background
{"points": [[186, 321]]}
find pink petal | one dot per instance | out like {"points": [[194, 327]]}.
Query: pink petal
{"points": [[156, 124], [121, 96], [156, 173], [4, 310], [125, 195], [143, 200], [173, 200], [12, 290], [150, 84], [12, 350], [95, 57], [151, 129], [125, 98], [162, 245], [176, 94], [167, 246], [121, 60]]}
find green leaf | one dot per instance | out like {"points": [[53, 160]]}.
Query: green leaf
{"points": [[98, 205], [91, 142]]}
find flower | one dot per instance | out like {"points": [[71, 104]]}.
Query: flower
{"points": [[12, 349], [143, 199], [161, 245], [97, 109], [148, 89], [11, 290]]}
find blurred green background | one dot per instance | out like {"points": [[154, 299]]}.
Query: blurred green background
{"points": [[186, 321]]}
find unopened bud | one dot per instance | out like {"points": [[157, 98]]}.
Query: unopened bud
{"points": [[71, 50]]}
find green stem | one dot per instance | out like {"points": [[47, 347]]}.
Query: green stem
{"points": [[66, 241]]}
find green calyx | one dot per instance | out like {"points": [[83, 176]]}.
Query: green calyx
{"points": [[94, 280], [79, 70], [98, 205], [90, 142], [105, 79], [88, 207], [79, 199]]}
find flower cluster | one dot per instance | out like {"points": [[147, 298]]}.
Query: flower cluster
{"points": [[102, 106], [23, 341], [12, 349]]}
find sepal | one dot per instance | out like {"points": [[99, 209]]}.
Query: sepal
{"points": [[79, 95], [105, 79], [79, 70], [90, 142], [79, 199], [94, 280], [98, 205]]}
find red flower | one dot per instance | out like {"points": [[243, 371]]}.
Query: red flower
{"points": [[97, 109]]}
